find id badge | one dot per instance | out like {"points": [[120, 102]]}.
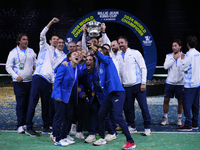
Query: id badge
{"points": [[21, 66]]}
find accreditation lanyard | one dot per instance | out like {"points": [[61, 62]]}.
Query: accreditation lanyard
{"points": [[91, 81], [21, 64], [123, 55]]}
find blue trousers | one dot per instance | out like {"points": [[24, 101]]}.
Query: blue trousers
{"points": [[129, 108], [22, 93], [113, 100], [80, 113], [41, 87], [110, 123], [51, 111], [191, 101], [93, 116], [62, 119]]}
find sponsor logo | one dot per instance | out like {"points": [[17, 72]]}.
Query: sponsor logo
{"points": [[147, 41], [69, 39], [108, 15]]}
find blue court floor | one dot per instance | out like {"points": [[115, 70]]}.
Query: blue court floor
{"points": [[8, 119]]}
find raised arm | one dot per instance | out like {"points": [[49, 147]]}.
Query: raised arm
{"points": [[104, 59], [84, 39], [54, 20], [105, 39], [168, 62], [43, 40]]}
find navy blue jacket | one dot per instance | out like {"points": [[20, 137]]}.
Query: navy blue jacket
{"points": [[91, 85]]}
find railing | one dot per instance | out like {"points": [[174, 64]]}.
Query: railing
{"points": [[155, 75]]}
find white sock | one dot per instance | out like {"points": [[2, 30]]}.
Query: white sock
{"points": [[179, 115], [165, 115]]}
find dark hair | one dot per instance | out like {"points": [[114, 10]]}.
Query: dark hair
{"points": [[53, 35], [94, 38], [108, 46], [191, 41], [19, 37], [178, 41], [94, 59], [62, 38], [105, 51], [69, 55], [122, 37]]}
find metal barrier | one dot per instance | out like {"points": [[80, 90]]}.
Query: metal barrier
{"points": [[155, 75]]}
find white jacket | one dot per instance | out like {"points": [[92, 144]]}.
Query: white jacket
{"points": [[191, 68], [46, 59], [175, 75], [132, 68], [15, 57], [114, 58], [60, 55], [113, 55]]}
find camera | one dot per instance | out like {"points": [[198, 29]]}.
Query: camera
{"points": [[88, 45]]}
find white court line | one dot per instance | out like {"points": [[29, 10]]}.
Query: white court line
{"points": [[170, 132], [159, 66]]}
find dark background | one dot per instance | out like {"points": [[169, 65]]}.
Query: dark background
{"points": [[166, 19]]}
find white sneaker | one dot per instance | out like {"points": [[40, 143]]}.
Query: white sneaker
{"points": [[110, 137], [99, 141], [70, 138], [69, 141], [20, 130], [61, 143], [90, 138], [147, 132], [24, 126], [80, 135], [73, 129], [132, 130], [178, 121], [53, 138], [165, 121]]}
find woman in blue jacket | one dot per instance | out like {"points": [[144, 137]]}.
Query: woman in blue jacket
{"points": [[115, 97], [65, 95]]}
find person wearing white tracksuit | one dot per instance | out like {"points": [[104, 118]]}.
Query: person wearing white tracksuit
{"points": [[174, 82]]}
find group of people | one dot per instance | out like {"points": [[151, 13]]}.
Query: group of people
{"points": [[109, 76], [183, 82]]}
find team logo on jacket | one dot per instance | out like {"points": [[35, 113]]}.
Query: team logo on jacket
{"points": [[101, 71]]}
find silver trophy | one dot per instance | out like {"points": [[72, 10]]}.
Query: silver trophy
{"points": [[93, 28]]}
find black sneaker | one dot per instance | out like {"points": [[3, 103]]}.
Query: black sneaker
{"points": [[31, 132], [47, 131], [195, 127], [185, 128]]}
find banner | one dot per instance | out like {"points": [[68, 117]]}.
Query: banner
{"points": [[126, 19]]}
